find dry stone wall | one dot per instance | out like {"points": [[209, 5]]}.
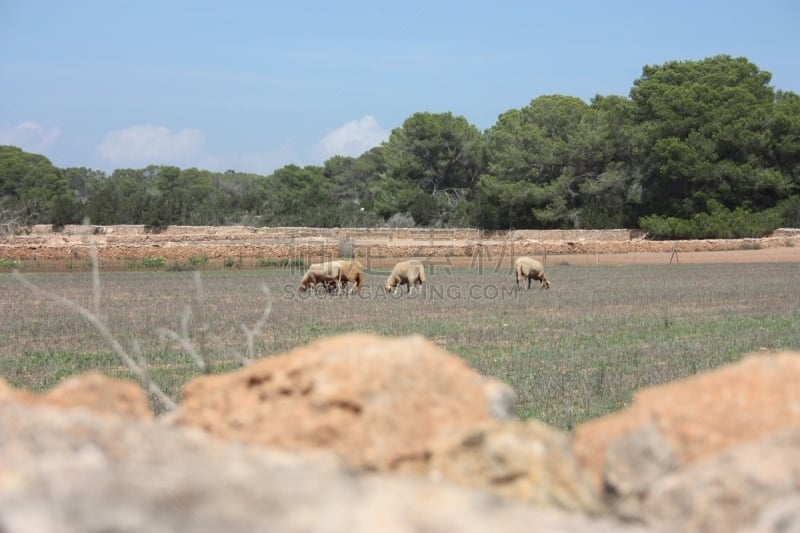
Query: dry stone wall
{"points": [[128, 242]]}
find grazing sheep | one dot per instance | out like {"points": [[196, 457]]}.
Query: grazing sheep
{"points": [[527, 268], [409, 273], [327, 273], [351, 272]]}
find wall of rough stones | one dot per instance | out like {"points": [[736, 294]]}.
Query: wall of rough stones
{"points": [[128, 242]]}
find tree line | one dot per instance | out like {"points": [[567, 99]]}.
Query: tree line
{"points": [[698, 149]]}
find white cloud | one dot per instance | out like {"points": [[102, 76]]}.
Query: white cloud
{"points": [[143, 145], [351, 139], [30, 136], [264, 161]]}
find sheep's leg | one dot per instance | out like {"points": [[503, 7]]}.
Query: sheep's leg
{"points": [[339, 286]]}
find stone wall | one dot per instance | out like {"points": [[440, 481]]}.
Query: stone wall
{"points": [[128, 242]]}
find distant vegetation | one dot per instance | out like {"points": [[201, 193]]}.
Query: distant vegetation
{"points": [[698, 149]]}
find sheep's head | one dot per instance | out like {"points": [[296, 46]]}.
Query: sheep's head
{"points": [[545, 283]]}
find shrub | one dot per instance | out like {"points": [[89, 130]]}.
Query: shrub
{"points": [[9, 263], [198, 261], [280, 263], [148, 262], [154, 262], [790, 212], [718, 223]]}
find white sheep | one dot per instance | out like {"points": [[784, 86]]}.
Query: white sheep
{"points": [[409, 273], [528, 268], [327, 273]]}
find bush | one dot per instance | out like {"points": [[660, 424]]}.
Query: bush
{"points": [[198, 261], [718, 223], [149, 262], [9, 263], [790, 212], [400, 220], [281, 263]]}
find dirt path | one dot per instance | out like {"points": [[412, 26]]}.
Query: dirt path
{"points": [[766, 255]]}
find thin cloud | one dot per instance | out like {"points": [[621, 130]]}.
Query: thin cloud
{"points": [[30, 136], [351, 139], [144, 145]]}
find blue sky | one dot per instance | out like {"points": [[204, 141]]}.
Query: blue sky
{"points": [[253, 86]]}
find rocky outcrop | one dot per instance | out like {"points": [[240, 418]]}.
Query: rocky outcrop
{"points": [[724, 492], [526, 461], [362, 433], [379, 403], [704, 414], [74, 471], [708, 453], [92, 391]]}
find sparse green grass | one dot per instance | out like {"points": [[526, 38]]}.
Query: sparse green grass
{"points": [[574, 352], [152, 263], [198, 261], [9, 264], [263, 262]]}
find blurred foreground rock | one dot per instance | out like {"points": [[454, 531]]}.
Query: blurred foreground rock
{"points": [[526, 461], [90, 390], [74, 471], [361, 433], [379, 403], [396, 405], [704, 454]]}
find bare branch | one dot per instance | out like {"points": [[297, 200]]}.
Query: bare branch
{"points": [[250, 334], [183, 339]]}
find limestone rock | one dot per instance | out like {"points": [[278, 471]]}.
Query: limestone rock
{"points": [[744, 488], [90, 390], [379, 403], [73, 470], [526, 461], [634, 462], [782, 515], [705, 414]]}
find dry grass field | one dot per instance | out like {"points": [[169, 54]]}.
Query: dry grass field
{"points": [[607, 327]]}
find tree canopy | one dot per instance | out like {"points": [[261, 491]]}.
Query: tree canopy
{"points": [[697, 147]]}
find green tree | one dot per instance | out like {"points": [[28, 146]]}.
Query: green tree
{"points": [[298, 196], [440, 155], [80, 179], [240, 198], [783, 127], [121, 198], [353, 182], [35, 189], [704, 135], [539, 157]]}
